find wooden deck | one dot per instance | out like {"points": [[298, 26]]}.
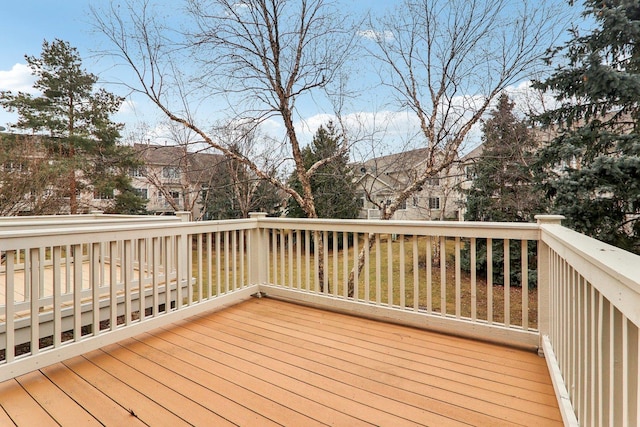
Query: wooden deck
{"points": [[267, 362]]}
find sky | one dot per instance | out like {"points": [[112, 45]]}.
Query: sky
{"points": [[26, 23]]}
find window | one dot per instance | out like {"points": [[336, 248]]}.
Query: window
{"points": [[175, 195], [170, 172], [141, 192], [415, 201], [103, 195], [67, 193], [14, 167], [470, 172], [433, 181], [403, 205], [434, 202], [136, 172]]}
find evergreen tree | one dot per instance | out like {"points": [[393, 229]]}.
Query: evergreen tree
{"points": [[332, 185], [503, 187], [234, 192], [83, 139], [31, 184], [591, 170]]}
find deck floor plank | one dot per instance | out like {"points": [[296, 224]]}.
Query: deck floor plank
{"points": [[467, 375], [58, 405], [527, 367], [489, 398], [151, 386], [237, 385], [181, 379], [5, 419], [278, 362], [269, 362], [353, 411], [350, 368], [21, 407], [404, 335], [350, 372], [139, 405], [99, 405], [444, 354]]}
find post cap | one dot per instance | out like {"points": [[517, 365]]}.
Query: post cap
{"points": [[185, 216], [549, 219]]}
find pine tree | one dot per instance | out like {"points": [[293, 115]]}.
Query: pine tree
{"points": [[591, 170], [235, 191], [82, 137], [503, 187], [332, 185]]}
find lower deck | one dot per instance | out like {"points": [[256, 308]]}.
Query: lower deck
{"points": [[268, 362]]}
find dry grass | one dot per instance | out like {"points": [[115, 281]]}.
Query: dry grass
{"points": [[404, 275]]}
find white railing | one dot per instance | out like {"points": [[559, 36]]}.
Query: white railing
{"points": [[68, 289], [591, 339], [428, 274]]}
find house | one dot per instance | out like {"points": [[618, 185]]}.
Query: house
{"points": [[35, 181], [380, 179], [172, 177]]}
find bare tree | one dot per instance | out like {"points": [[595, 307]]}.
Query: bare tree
{"points": [[448, 60], [235, 190], [30, 181], [258, 56], [177, 167]]}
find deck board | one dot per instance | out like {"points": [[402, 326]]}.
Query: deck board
{"points": [[59, 406], [268, 362], [101, 407], [408, 366], [378, 376]]}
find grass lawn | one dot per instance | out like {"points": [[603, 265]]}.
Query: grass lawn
{"points": [[388, 270]]}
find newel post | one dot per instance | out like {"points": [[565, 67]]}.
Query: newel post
{"points": [[184, 216], [258, 251], [544, 278], [184, 257]]}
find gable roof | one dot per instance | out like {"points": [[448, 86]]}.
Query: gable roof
{"points": [[393, 163], [201, 166]]}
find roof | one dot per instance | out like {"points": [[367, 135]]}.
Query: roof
{"points": [[200, 165], [473, 154], [394, 162]]}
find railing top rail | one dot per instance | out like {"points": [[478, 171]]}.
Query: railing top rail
{"points": [[497, 230], [74, 217], [11, 239], [80, 221]]}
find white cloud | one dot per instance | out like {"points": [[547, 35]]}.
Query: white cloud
{"points": [[128, 107], [376, 35], [529, 100], [18, 78]]}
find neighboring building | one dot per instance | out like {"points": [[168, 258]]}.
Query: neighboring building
{"points": [[172, 178], [31, 181], [381, 178], [467, 175]]}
